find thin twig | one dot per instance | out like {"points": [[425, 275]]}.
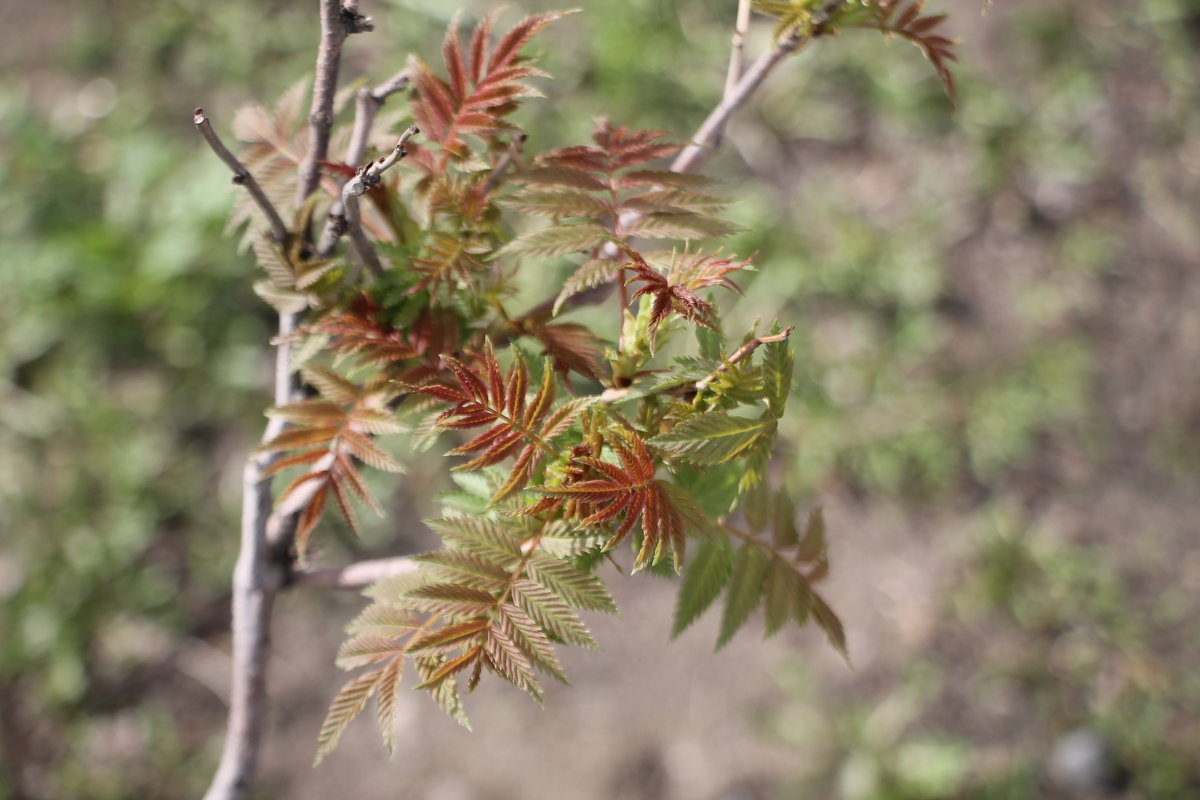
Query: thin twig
{"points": [[338, 20], [703, 143], [510, 157], [737, 54], [241, 176], [354, 576], [741, 353], [366, 108], [368, 176]]}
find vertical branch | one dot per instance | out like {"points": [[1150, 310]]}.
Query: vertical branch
{"points": [[262, 564], [370, 175], [338, 20], [705, 140], [738, 44], [366, 107]]}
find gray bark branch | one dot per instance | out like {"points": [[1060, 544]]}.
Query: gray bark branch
{"points": [[241, 176]]}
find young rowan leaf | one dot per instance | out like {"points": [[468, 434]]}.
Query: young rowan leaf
{"points": [[704, 576], [580, 589], [593, 273], [829, 623], [386, 702], [444, 690], [552, 613], [346, 705], [777, 367], [448, 636], [782, 590], [711, 438], [558, 240], [364, 649], [745, 590]]}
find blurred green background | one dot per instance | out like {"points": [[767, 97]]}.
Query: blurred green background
{"points": [[997, 401]]}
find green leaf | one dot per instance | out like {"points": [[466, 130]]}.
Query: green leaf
{"points": [[466, 568], [782, 593], [712, 489], [829, 622], [680, 226], [709, 341], [558, 240], [813, 545], [713, 437], [777, 366], [579, 588], [704, 577], [489, 539], [745, 590], [552, 613]]}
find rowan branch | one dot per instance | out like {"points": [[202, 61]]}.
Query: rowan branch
{"points": [[366, 107], [703, 143], [368, 176], [263, 560], [241, 176], [338, 20], [257, 578], [741, 353], [737, 54], [354, 576]]}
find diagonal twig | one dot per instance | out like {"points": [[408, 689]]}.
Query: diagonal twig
{"points": [[368, 176], [241, 176], [704, 141], [366, 108], [741, 353]]}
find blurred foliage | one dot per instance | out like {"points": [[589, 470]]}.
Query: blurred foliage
{"points": [[946, 274]]}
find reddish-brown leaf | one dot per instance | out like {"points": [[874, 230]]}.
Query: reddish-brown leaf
{"points": [[628, 492]]}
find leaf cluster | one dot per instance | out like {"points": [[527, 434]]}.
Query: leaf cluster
{"points": [[599, 447], [902, 18]]}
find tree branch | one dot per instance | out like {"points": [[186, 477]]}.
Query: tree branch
{"points": [[742, 352], [354, 576], [368, 176], [737, 53], [241, 176], [262, 560], [257, 578], [704, 141], [338, 20], [367, 105]]}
